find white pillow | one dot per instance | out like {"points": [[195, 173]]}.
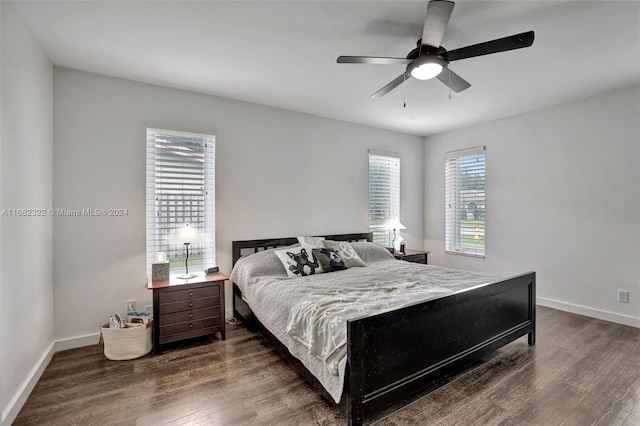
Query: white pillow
{"points": [[314, 242], [299, 261]]}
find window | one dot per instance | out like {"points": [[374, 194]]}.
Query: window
{"points": [[180, 190], [465, 201], [384, 194]]}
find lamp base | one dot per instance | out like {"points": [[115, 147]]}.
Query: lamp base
{"points": [[187, 276]]}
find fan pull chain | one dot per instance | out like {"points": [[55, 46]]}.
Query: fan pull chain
{"points": [[404, 90], [449, 79]]}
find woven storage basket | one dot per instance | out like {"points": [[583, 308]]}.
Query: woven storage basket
{"points": [[126, 343]]}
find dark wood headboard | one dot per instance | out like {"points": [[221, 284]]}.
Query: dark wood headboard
{"points": [[258, 245]]}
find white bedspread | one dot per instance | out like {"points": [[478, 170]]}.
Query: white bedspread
{"points": [[309, 314]]}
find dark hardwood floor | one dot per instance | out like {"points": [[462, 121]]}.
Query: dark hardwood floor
{"points": [[582, 371]]}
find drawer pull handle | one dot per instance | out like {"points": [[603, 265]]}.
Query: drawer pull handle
{"points": [[190, 294], [190, 325], [191, 304], [190, 316]]}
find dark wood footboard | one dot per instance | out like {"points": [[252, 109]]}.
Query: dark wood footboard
{"points": [[396, 354]]}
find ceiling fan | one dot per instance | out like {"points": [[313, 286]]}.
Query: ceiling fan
{"points": [[429, 59]]}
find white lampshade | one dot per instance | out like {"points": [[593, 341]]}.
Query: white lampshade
{"points": [[395, 224], [186, 235]]}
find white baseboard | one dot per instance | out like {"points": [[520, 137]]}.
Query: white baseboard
{"points": [[77, 342], [589, 312], [12, 409]]}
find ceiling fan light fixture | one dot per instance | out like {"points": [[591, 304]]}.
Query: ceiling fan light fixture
{"points": [[426, 67]]}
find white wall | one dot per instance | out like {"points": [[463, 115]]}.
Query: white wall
{"points": [[563, 199], [1, 126], [26, 307], [2, 365], [278, 173]]}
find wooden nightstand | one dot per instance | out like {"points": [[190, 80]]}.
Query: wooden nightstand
{"points": [[415, 256], [183, 309]]}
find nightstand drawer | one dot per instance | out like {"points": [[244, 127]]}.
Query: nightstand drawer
{"points": [[188, 294], [192, 315], [187, 305], [183, 327]]}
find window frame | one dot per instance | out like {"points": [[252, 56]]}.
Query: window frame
{"points": [[380, 226], [162, 170], [458, 167]]}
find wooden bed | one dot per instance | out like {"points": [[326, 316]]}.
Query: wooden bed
{"points": [[393, 355]]}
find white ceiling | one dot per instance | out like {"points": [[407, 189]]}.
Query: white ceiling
{"points": [[283, 53]]}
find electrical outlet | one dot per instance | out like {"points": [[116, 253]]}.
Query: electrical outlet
{"points": [[130, 305], [623, 296]]}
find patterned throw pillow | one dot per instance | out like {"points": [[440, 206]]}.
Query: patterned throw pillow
{"points": [[315, 242], [330, 259], [347, 252], [299, 261]]}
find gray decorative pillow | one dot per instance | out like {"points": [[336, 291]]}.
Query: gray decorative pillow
{"points": [[346, 251], [315, 242], [299, 261], [370, 252], [330, 259]]}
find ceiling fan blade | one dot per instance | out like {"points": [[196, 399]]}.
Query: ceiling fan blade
{"points": [[517, 41], [435, 24], [372, 60], [453, 80], [389, 87]]}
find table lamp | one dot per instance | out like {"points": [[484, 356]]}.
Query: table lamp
{"points": [[395, 225], [186, 235]]}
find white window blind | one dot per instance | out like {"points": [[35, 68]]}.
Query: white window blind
{"points": [[180, 190], [465, 202], [384, 194]]}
